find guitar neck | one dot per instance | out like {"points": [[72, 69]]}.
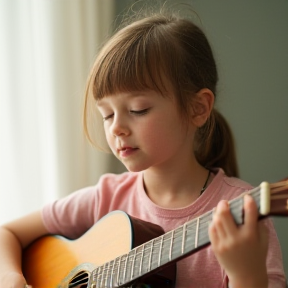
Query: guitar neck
{"points": [[175, 244]]}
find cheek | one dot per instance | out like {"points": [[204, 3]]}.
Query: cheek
{"points": [[157, 133]]}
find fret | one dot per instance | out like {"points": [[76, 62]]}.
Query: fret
{"points": [[94, 277], [190, 238], [165, 248], [156, 255], [171, 245], [150, 255], [183, 238], [197, 232], [103, 280], [177, 242], [100, 276], [112, 273], [204, 227], [129, 264], [160, 250], [119, 270], [146, 257], [132, 264], [125, 267], [141, 259], [106, 277], [94, 274], [191, 235], [137, 261]]}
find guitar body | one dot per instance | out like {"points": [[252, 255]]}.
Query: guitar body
{"points": [[54, 261]]}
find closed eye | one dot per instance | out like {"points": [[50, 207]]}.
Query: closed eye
{"points": [[139, 112], [108, 117]]}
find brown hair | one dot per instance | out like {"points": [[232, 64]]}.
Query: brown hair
{"points": [[148, 51], [220, 150]]}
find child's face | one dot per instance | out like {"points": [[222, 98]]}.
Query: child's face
{"points": [[144, 129]]}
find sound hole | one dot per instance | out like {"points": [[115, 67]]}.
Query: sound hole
{"points": [[80, 280]]}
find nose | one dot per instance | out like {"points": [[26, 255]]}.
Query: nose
{"points": [[119, 126]]}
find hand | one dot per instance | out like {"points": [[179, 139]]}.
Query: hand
{"points": [[12, 280], [240, 250]]}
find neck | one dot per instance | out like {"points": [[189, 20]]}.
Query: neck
{"points": [[175, 188]]}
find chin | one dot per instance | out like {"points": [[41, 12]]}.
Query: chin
{"points": [[135, 168]]}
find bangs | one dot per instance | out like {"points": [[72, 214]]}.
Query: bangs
{"points": [[133, 62]]}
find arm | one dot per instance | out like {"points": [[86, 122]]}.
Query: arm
{"points": [[241, 251], [14, 237]]}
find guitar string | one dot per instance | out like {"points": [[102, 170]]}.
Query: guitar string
{"points": [[110, 274], [178, 238], [74, 284], [179, 230], [131, 258], [145, 260]]}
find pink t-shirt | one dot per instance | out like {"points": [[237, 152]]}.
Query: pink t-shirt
{"points": [[75, 214]]}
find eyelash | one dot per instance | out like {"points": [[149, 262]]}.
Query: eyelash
{"points": [[107, 117], [138, 113]]}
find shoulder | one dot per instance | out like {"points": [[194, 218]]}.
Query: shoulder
{"points": [[236, 183], [229, 186]]}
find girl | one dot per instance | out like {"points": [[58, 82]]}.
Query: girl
{"points": [[154, 84]]}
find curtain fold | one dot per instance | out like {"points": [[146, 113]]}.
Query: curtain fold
{"points": [[47, 48]]}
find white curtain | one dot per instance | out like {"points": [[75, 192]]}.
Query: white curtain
{"points": [[46, 50]]}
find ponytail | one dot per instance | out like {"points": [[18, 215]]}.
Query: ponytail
{"points": [[215, 145]]}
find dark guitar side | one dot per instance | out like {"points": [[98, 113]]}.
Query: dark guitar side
{"points": [[53, 261]]}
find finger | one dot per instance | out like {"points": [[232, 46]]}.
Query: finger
{"points": [[213, 235], [217, 220], [224, 219], [250, 212]]}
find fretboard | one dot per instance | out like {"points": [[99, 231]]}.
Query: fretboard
{"points": [[171, 246]]}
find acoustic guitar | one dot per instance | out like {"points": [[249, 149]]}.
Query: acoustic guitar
{"points": [[123, 251]]}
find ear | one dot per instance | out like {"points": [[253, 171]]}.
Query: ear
{"points": [[202, 105]]}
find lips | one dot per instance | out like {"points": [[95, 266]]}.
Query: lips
{"points": [[126, 151]]}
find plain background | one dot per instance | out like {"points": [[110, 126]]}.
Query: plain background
{"points": [[250, 42]]}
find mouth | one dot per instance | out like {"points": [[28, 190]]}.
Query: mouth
{"points": [[126, 151]]}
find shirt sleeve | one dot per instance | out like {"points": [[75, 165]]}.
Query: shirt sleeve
{"points": [[72, 215]]}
